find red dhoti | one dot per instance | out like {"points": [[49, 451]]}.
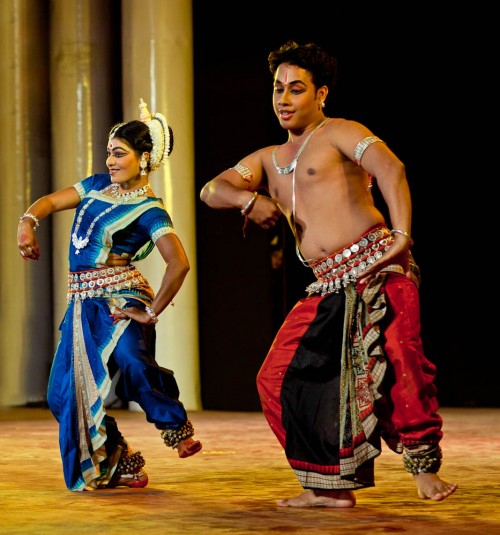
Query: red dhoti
{"points": [[347, 368]]}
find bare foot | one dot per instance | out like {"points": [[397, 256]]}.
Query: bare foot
{"points": [[321, 498], [188, 447], [431, 486]]}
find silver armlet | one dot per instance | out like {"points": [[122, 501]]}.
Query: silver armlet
{"points": [[363, 145], [244, 171]]}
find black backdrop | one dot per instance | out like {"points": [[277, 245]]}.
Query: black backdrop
{"points": [[410, 77]]}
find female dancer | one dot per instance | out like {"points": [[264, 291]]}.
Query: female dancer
{"points": [[109, 325]]}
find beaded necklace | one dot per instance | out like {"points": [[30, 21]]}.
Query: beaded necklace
{"points": [[78, 241], [289, 168]]}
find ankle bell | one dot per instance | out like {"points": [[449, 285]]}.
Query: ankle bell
{"points": [[172, 437]]}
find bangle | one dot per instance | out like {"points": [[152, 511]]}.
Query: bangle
{"points": [[403, 233], [249, 206], [35, 219], [152, 313]]}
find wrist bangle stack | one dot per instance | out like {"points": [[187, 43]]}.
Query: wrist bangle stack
{"points": [[152, 313], [403, 233], [249, 206], [31, 216]]}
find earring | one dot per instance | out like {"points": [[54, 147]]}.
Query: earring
{"points": [[323, 104], [143, 164]]}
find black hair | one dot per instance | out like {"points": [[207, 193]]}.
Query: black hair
{"points": [[311, 57], [137, 135]]}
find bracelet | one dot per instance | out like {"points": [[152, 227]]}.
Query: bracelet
{"points": [[249, 206], [35, 219], [152, 313], [403, 233]]}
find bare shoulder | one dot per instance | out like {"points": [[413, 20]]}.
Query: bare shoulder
{"points": [[347, 127], [258, 158], [345, 134]]}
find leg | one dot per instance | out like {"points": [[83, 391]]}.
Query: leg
{"points": [[154, 388], [129, 471], [411, 403], [182, 440], [128, 466], [298, 389]]}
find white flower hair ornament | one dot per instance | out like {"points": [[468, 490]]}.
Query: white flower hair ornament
{"points": [[160, 135]]}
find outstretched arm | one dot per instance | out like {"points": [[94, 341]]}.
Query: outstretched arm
{"points": [[27, 241]]}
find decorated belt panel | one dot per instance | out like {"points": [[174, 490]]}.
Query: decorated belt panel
{"points": [[345, 266], [102, 282]]}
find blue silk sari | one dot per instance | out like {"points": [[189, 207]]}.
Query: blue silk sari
{"points": [[90, 344]]}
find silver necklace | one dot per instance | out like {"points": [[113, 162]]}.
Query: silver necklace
{"points": [[79, 242], [289, 168], [129, 195]]}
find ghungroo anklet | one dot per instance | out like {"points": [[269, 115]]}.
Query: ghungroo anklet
{"points": [[428, 461], [172, 437], [130, 464]]}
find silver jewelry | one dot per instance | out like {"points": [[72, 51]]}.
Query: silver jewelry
{"points": [[129, 194], [403, 233], [152, 313], [248, 208], [80, 242], [30, 215], [289, 168], [244, 171], [143, 164], [363, 145]]}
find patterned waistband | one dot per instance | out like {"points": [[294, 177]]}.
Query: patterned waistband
{"points": [[102, 281], [345, 266]]}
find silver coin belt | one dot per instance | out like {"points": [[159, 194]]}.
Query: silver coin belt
{"points": [[102, 282], [343, 267]]}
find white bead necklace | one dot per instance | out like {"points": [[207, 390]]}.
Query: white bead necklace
{"points": [[78, 241], [289, 168]]}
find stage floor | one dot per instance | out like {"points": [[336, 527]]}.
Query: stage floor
{"points": [[232, 486]]}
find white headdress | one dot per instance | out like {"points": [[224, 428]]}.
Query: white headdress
{"points": [[160, 135]]}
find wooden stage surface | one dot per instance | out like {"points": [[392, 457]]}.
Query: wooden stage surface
{"points": [[232, 486]]}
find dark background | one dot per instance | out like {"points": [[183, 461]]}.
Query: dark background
{"points": [[416, 77]]}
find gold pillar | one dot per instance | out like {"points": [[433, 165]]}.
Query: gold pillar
{"points": [[25, 314], [157, 66], [81, 63]]}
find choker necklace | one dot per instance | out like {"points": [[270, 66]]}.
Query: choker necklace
{"points": [[131, 194], [289, 168], [80, 242]]}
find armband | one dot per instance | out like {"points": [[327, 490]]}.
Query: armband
{"points": [[245, 173], [363, 145]]}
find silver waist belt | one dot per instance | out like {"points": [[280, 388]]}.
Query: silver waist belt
{"points": [[102, 281], [345, 266]]}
